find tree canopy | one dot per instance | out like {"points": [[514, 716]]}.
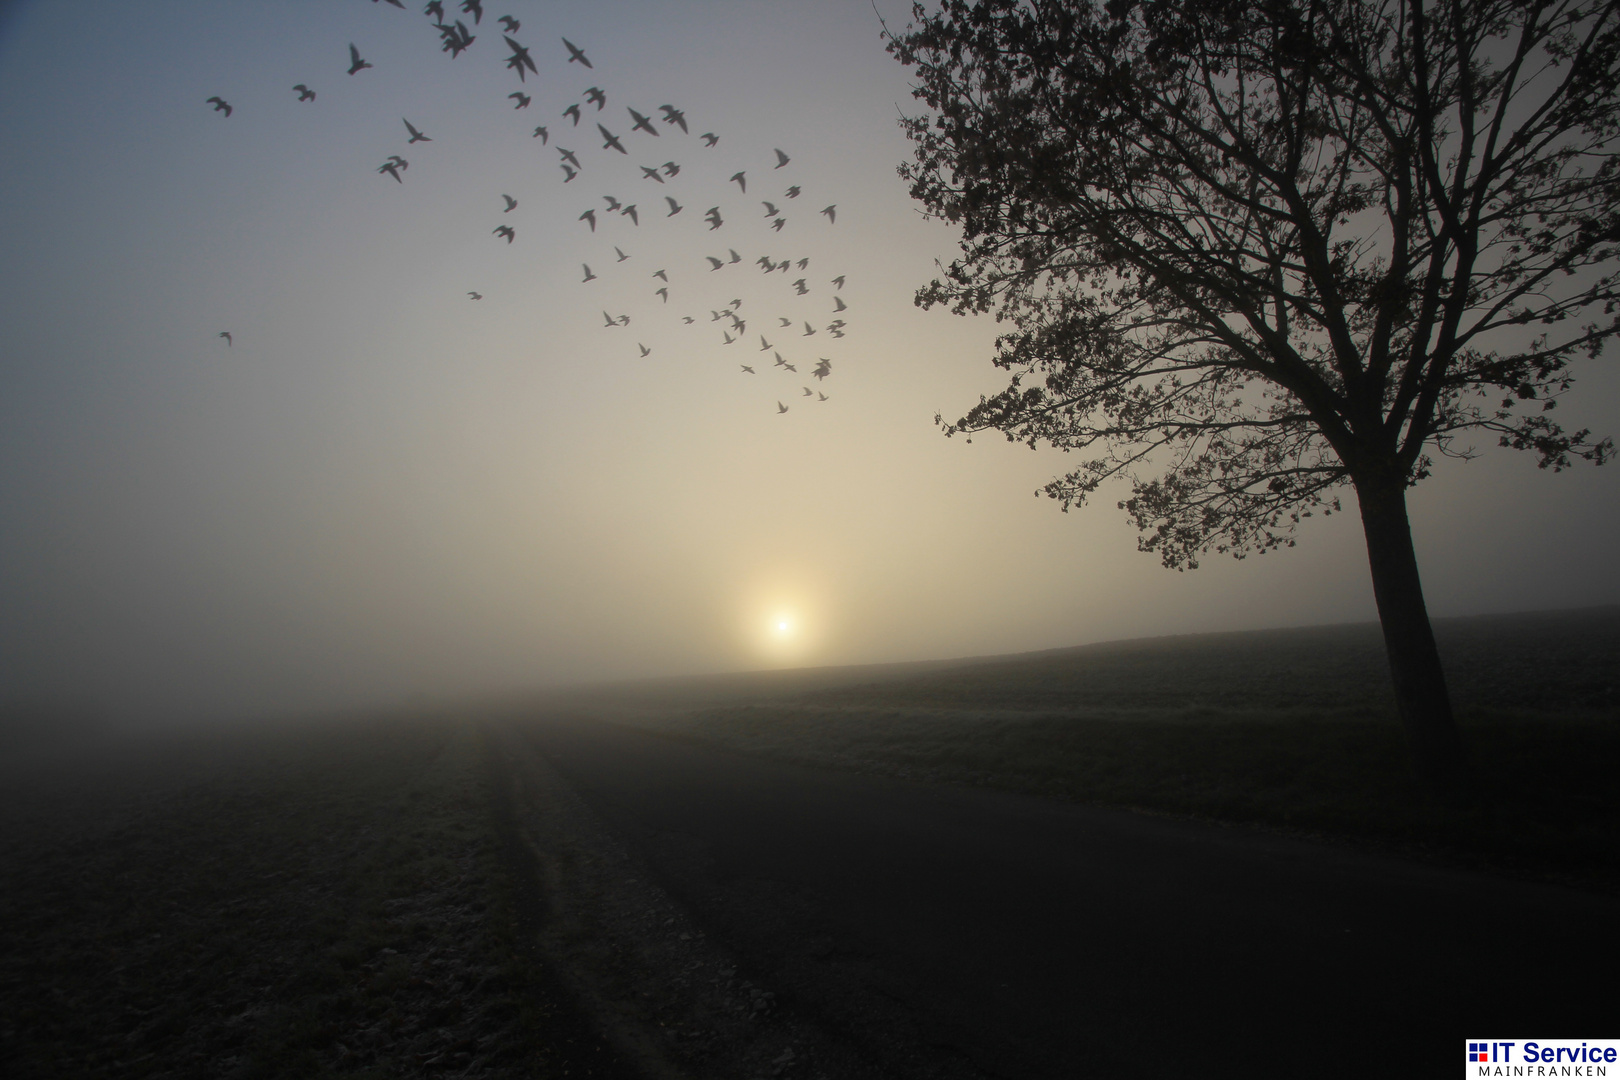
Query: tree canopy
{"points": [[1250, 252]]}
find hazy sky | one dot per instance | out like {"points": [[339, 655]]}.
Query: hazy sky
{"points": [[384, 488]]}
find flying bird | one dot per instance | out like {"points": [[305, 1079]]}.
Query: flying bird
{"points": [[571, 173], [226, 334], [397, 3], [709, 138], [791, 368], [781, 159], [841, 306], [780, 408], [596, 97], [475, 8], [687, 319], [729, 339], [435, 8], [808, 330], [801, 286], [630, 212], [454, 39], [672, 115], [573, 110], [823, 368], [220, 105], [588, 275], [506, 231], [742, 181], [804, 264], [642, 123], [736, 258], [613, 204], [662, 292], [575, 54], [820, 396], [713, 218], [808, 392], [304, 93], [590, 216], [671, 169], [643, 348], [568, 156], [765, 262], [764, 346], [771, 210], [714, 263], [521, 98], [793, 192], [624, 320], [355, 63], [475, 296], [612, 140], [832, 214], [779, 361], [622, 255], [674, 207], [416, 136], [838, 281], [784, 322], [542, 134], [748, 369], [777, 225], [660, 274], [651, 174], [511, 204], [520, 59], [511, 24], [392, 169]]}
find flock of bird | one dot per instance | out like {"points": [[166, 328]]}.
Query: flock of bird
{"points": [[623, 218]]}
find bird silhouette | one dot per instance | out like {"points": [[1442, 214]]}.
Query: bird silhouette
{"points": [[801, 286], [781, 159], [808, 330], [568, 156], [397, 3], [804, 264], [521, 98], [570, 173], [435, 8], [542, 134], [475, 296], [671, 169], [823, 368], [611, 140], [642, 123], [662, 275], [765, 263], [741, 179], [672, 115], [643, 348], [511, 204], [779, 361], [808, 392], [713, 218], [736, 258], [475, 8], [506, 231], [764, 346], [624, 320], [714, 263], [588, 275], [590, 216], [748, 369], [687, 319], [621, 254], [520, 58], [226, 334], [392, 169], [784, 322], [820, 396], [838, 282], [729, 339], [781, 408], [355, 63], [652, 174], [416, 136], [511, 24], [832, 214], [613, 204], [777, 225], [840, 305], [630, 212], [791, 368], [454, 39], [662, 292], [793, 192], [770, 209], [304, 93], [575, 55], [220, 105], [709, 138], [596, 96], [674, 207], [573, 110]]}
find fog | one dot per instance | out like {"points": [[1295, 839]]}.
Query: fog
{"points": [[382, 490]]}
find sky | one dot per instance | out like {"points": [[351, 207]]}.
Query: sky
{"points": [[382, 490]]}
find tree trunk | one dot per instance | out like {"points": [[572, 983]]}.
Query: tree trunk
{"points": [[1414, 661]]}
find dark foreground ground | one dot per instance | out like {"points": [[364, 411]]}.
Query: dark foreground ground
{"points": [[919, 871]]}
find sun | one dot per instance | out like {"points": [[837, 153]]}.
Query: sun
{"points": [[784, 625]]}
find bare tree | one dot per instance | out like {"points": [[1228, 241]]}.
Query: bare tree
{"points": [[1254, 251]]}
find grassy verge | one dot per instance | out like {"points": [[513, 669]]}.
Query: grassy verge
{"points": [[1547, 804], [324, 901]]}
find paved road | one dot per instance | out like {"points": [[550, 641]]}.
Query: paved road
{"points": [[1018, 937]]}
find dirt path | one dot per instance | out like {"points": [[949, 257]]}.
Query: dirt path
{"points": [[730, 916]]}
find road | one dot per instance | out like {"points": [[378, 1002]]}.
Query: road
{"points": [[935, 931]]}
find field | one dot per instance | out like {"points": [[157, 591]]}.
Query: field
{"points": [[365, 897]]}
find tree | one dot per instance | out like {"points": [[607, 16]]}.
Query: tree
{"points": [[1253, 251]]}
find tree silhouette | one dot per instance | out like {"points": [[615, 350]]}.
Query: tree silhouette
{"points": [[1252, 252]]}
